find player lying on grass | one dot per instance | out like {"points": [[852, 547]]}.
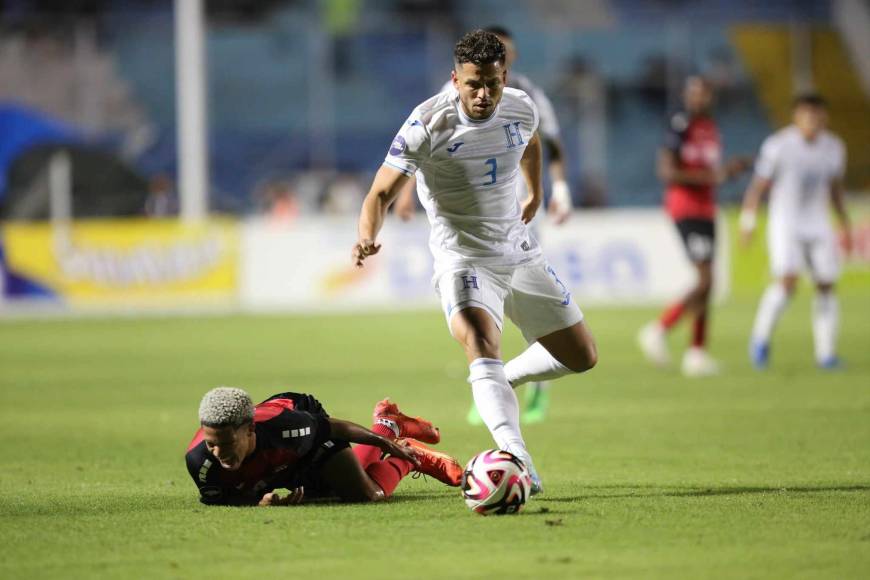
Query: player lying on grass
{"points": [[242, 453]]}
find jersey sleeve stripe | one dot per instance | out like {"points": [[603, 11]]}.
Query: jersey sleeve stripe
{"points": [[404, 170]]}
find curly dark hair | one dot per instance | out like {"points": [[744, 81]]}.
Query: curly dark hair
{"points": [[479, 47], [810, 99]]}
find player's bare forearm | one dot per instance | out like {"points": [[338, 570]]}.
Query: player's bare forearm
{"points": [[560, 193], [531, 164], [556, 159], [385, 188], [751, 201], [754, 193], [838, 201], [353, 433]]}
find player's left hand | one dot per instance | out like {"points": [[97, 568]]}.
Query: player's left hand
{"points": [[558, 213], [560, 202], [530, 208], [274, 499]]}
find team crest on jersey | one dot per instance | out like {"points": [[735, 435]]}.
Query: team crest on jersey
{"points": [[398, 146], [513, 134]]}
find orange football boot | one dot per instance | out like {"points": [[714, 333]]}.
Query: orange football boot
{"points": [[410, 427], [435, 464]]}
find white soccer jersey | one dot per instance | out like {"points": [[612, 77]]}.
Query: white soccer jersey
{"points": [[466, 173], [548, 126], [802, 172]]}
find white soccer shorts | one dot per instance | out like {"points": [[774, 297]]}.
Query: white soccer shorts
{"points": [[531, 295], [790, 255]]}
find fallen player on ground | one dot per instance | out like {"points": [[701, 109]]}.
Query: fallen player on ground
{"points": [[243, 453]]}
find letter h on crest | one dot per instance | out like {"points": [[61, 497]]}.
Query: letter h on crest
{"points": [[512, 131], [470, 282]]}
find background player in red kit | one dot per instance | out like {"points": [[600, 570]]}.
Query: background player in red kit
{"points": [[242, 453], [690, 165]]}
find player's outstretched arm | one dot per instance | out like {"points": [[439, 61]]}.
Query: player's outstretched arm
{"points": [[353, 433], [751, 202], [838, 201], [530, 164], [560, 196], [385, 188]]}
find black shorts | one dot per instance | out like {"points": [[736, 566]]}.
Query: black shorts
{"points": [[699, 238]]}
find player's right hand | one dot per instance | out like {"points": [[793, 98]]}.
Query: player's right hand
{"points": [[740, 164], [846, 241], [530, 208], [362, 250], [405, 452]]}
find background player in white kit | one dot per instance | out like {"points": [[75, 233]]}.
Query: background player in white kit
{"points": [[802, 165], [559, 207], [467, 149]]}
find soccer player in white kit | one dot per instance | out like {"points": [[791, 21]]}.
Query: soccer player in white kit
{"points": [[802, 165], [467, 148], [559, 208]]}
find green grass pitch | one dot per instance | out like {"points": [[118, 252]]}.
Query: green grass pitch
{"points": [[648, 474]]}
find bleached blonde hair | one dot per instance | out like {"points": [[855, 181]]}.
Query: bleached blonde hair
{"points": [[226, 407]]}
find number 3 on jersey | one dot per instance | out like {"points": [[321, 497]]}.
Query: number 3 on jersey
{"points": [[491, 173]]}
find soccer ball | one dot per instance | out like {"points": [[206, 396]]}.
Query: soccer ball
{"points": [[495, 482]]}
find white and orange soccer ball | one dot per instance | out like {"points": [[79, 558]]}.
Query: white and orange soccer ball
{"points": [[495, 482]]}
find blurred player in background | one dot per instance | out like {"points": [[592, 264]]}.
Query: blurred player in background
{"points": [[467, 148], [802, 166], [690, 165], [559, 207], [242, 453]]}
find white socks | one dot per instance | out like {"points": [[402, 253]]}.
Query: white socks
{"points": [[534, 364], [497, 404], [773, 302], [826, 320]]}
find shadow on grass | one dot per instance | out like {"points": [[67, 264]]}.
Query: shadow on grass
{"points": [[78, 505], [124, 504], [623, 491]]}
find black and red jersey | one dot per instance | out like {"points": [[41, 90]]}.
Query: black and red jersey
{"points": [[696, 144], [289, 439]]}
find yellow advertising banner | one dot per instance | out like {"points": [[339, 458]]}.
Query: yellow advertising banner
{"points": [[122, 262]]}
